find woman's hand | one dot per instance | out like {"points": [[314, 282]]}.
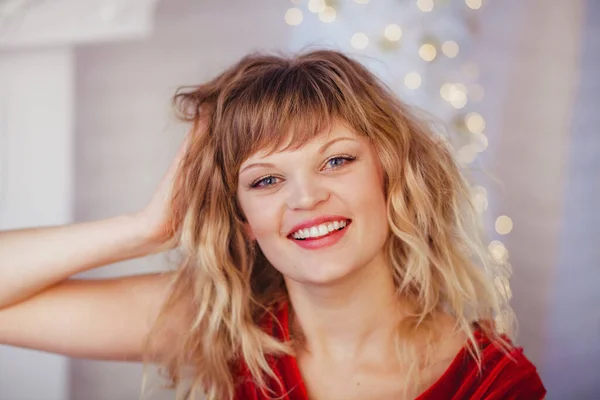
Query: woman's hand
{"points": [[157, 219]]}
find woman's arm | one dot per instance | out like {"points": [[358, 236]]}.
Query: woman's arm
{"points": [[41, 308], [34, 259], [106, 319]]}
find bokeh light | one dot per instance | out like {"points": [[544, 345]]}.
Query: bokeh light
{"points": [[359, 40], [327, 15], [504, 225], [427, 52], [393, 32], [412, 80], [293, 16], [450, 48], [425, 5]]}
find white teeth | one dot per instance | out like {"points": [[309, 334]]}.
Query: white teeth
{"points": [[318, 230]]}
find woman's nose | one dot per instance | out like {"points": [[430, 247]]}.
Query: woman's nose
{"points": [[306, 194]]}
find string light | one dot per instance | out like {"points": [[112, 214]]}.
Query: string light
{"points": [[479, 142], [427, 52], [316, 6], [479, 198], [425, 5], [504, 225], [466, 154], [498, 251], [359, 41], [293, 16], [473, 4], [474, 122], [327, 15], [412, 80], [393, 32], [450, 48]]}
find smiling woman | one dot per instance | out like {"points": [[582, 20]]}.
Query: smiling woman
{"points": [[331, 253], [331, 241]]}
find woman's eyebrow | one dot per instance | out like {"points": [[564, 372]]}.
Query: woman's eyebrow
{"points": [[322, 149], [260, 164], [332, 141]]}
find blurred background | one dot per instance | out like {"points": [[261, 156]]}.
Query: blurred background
{"points": [[87, 130]]}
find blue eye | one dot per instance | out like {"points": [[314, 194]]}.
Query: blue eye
{"points": [[338, 161], [264, 182]]}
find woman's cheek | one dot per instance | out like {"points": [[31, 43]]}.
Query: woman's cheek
{"points": [[262, 217]]}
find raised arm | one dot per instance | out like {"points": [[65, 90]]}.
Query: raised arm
{"points": [[34, 259], [41, 308]]}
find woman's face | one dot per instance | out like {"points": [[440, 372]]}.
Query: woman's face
{"points": [[318, 213]]}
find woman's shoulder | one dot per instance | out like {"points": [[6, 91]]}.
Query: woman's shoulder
{"points": [[504, 373]]}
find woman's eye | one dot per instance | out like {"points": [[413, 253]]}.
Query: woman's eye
{"points": [[264, 182], [336, 162]]}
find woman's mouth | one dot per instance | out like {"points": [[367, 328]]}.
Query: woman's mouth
{"points": [[320, 230], [320, 235]]}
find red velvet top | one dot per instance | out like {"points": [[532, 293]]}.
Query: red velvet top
{"points": [[502, 378]]}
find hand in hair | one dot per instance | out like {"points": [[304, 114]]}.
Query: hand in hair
{"points": [[160, 223]]}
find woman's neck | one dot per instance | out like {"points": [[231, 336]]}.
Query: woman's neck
{"points": [[350, 320]]}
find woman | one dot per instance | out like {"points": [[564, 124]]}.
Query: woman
{"points": [[331, 252]]}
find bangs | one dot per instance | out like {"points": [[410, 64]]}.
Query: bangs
{"points": [[279, 108]]}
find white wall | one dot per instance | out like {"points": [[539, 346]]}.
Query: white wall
{"points": [[36, 186]]}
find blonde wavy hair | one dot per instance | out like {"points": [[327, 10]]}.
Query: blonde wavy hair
{"points": [[225, 286]]}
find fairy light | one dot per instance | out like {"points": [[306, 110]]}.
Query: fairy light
{"points": [[445, 91], [293, 16], [479, 142], [504, 225], [316, 6], [393, 32], [466, 154], [359, 41], [498, 251], [425, 5], [450, 48], [412, 80], [475, 122], [479, 198], [427, 52], [328, 14], [473, 4], [457, 96]]}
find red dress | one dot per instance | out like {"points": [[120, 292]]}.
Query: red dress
{"points": [[502, 378]]}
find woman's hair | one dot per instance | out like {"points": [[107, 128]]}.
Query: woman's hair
{"points": [[225, 286]]}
